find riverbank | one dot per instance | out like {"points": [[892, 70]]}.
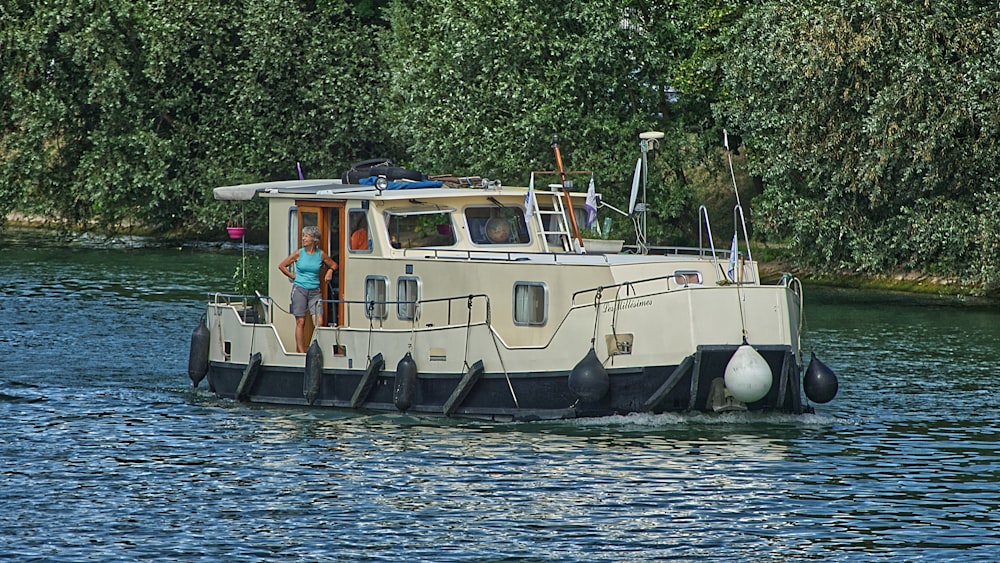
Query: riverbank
{"points": [[907, 282], [137, 233], [772, 265]]}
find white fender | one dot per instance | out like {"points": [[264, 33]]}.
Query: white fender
{"points": [[748, 377]]}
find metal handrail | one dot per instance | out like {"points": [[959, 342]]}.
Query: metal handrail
{"points": [[229, 300], [705, 228], [419, 303], [627, 285], [738, 221]]}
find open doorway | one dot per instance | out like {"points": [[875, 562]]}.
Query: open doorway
{"points": [[329, 218]]}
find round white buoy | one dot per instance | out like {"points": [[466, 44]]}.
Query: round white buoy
{"points": [[748, 377]]}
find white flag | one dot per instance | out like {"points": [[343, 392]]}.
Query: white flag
{"points": [[529, 200], [733, 252], [591, 204]]}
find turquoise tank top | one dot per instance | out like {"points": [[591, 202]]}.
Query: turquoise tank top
{"points": [[307, 269]]}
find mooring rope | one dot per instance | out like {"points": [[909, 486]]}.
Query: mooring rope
{"points": [[597, 314], [795, 285], [629, 290], [489, 327], [614, 312], [253, 329], [468, 335], [743, 316], [413, 332], [218, 325], [279, 307], [370, 306]]}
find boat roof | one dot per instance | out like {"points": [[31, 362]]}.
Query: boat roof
{"points": [[243, 192], [337, 189], [406, 202]]}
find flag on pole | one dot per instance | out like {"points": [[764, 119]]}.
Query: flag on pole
{"points": [[733, 252], [529, 200], [725, 139], [591, 204]]}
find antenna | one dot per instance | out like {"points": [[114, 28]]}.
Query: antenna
{"points": [[732, 173], [738, 217], [647, 141], [635, 186]]}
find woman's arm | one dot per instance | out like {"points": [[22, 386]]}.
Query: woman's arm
{"points": [[331, 266], [283, 267]]}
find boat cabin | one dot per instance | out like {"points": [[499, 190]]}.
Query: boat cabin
{"points": [[397, 252]]}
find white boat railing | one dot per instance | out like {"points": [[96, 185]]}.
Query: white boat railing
{"points": [[378, 312], [705, 231], [690, 252], [501, 255], [246, 306], [687, 251], [704, 227], [630, 287]]}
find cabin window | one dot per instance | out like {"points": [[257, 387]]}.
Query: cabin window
{"points": [[531, 303], [376, 291], [420, 228], [361, 240], [407, 296], [687, 277], [497, 225]]}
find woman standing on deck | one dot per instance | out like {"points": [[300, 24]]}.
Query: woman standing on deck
{"points": [[309, 261]]}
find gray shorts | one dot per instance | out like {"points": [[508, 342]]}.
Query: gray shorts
{"points": [[305, 301]]}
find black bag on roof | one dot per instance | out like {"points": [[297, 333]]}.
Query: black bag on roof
{"points": [[379, 167]]}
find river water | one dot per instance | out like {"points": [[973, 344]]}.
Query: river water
{"points": [[108, 454]]}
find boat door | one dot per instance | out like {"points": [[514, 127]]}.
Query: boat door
{"points": [[329, 217]]}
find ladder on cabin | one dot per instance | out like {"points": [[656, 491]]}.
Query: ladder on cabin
{"points": [[543, 217]]}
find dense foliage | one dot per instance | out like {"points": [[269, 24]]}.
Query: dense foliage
{"points": [[874, 125], [482, 88], [131, 111], [869, 126]]}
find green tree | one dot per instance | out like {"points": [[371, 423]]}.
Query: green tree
{"points": [[119, 111], [481, 87], [69, 77], [870, 126], [874, 126]]}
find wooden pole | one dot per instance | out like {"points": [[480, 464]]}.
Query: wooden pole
{"points": [[565, 189]]}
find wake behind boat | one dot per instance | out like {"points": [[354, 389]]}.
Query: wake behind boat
{"points": [[474, 299]]}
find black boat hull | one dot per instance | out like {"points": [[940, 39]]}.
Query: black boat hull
{"points": [[684, 387]]}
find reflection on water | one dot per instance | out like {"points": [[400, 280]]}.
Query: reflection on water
{"points": [[108, 454]]}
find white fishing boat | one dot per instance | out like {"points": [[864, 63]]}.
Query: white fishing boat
{"points": [[469, 298]]}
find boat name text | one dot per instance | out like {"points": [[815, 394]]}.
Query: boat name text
{"points": [[633, 303]]}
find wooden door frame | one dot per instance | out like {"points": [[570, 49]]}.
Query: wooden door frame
{"points": [[324, 210]]}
